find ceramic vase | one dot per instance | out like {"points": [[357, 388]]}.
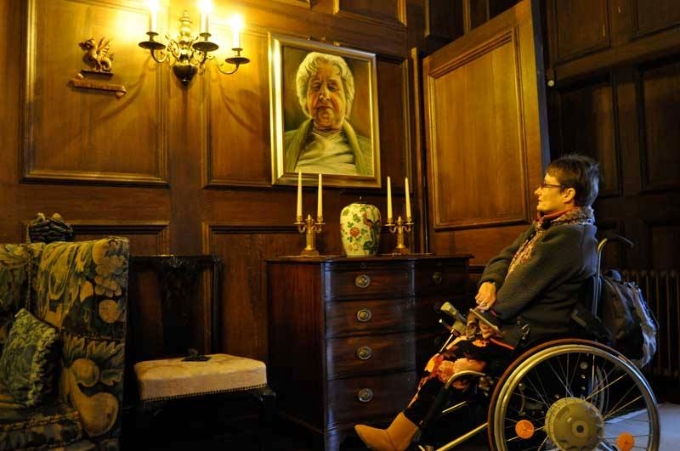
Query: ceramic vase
{"points": [[360, 229]]}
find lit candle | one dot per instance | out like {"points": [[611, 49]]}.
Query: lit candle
{"points": [[298, 214], [319, 205], [153, 16], [389, 200], [206, 8], [408, 200], [236, 23]]}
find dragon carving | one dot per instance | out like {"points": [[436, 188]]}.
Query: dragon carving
{"points": [[97, 54]]}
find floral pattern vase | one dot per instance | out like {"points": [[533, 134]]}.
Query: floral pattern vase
{"points": [[360, 229]]}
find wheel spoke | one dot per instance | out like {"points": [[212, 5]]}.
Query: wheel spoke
{"points": [[574, 379]]}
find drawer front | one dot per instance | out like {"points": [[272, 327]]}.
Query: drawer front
{"points": [[361, 317], [367, 280], [352, 356], [443, 277], [369, 399]]}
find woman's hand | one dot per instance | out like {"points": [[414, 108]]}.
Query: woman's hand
{"points": [[486, 296]]}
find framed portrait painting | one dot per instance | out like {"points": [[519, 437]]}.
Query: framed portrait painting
{"points": [[324, 117]]}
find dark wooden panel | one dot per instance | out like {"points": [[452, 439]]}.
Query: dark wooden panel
{"points": [[664, 14], [444, 20], [244, 302], [664, 248], [84, 134], [395, 119], [478, 12], [623, 118], [387, 12], [588, 124], [237, 121], [440, 276], [660, 104], [577, 27], [146, 238]]}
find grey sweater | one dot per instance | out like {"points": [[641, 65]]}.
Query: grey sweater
{"points": [[542, 291]]}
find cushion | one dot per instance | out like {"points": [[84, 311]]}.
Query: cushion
{"points": [[28, 359], [174, 378], [48, 426], [17, 261]]}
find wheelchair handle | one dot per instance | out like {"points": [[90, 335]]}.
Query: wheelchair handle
{"points": [[614, 237]]}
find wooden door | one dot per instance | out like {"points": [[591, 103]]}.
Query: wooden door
{"points": [[486, 137]]}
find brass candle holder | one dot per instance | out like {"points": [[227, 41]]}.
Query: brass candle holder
{"points": [[310, 228], [399, 228]]}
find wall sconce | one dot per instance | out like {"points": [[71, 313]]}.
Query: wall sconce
{"points": [[188, 53]]}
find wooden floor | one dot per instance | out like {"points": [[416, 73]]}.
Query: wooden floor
{"points": [[197, 428], [189, 430]]}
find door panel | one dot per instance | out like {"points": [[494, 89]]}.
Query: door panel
{"points": [[486, 135]]}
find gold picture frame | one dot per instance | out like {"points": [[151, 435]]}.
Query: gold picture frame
{"points": [[350, 158]]}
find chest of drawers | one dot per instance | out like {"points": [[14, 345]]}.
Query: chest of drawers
{"points": [[348, 337]]}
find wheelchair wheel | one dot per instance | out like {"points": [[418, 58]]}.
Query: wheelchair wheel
{"points": [[576, 395]]}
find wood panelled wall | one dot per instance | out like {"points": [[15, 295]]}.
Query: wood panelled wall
{"points": [[186, 170], [614, 68], [611, 79]]}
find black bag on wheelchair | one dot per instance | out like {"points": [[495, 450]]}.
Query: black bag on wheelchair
{"points": [[626, 315]]}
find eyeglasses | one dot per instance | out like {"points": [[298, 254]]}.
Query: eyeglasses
{"points": [[545, 185]]}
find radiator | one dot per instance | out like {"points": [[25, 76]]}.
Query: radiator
{"points": [[661, 289]]}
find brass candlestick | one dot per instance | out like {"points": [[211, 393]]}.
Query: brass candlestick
{"points": [[310, 227], [399, 228]]}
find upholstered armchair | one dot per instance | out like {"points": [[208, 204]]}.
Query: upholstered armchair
{"points": [[62, 337]]}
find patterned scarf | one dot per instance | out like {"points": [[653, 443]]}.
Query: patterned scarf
{"points": [[575, 215]]}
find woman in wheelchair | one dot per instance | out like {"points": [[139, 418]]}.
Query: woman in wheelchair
{"points": [[528, 291]]}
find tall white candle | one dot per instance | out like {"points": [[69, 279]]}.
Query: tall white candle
{"points": [[298, 213], [389, 200], [153, 14], [204, 23], [319, 206], [408, 200], [236, 23], [206, 8]]}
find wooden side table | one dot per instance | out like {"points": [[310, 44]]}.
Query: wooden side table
{"points": [[348, 337]]}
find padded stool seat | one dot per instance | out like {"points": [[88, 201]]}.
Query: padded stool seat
{"points": [[185, 292], [163, 379]]}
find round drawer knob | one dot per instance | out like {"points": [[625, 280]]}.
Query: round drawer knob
{"points": [[362, 281], [364, 315], [364, 353], [365, 395], [437, 278]]}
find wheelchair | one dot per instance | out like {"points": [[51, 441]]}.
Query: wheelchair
{"points": [[563, 394]]}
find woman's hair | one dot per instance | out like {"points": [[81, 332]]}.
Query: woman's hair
{"points": [[579, 172], [309, 67]]}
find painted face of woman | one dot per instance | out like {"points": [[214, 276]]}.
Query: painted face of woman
{"points": [[326, 98]]}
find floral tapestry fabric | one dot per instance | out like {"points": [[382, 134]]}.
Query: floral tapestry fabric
{"points": [[80, 288], [17, 262], [28, 359]]}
